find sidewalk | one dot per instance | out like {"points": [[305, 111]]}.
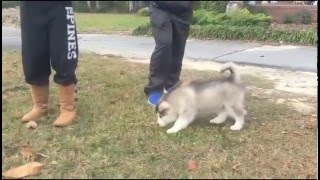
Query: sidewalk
{"points": [[287, 56]]}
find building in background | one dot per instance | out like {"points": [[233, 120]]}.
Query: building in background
{"points": [[279, 9]]}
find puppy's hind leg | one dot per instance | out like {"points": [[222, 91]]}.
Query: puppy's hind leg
{"points": [[222, 116], [238, 114], [183, 122]]}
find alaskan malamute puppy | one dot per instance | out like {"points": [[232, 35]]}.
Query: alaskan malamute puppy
{"points": [[187, 99]]}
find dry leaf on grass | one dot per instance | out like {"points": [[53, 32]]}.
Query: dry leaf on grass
{"points": [[312, 123], [29, 169], [27, 152], [31, 125], [234, 167], [192, 165]]}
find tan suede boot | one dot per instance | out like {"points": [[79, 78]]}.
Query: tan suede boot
{"points": [[40, 97], [67, 106]]}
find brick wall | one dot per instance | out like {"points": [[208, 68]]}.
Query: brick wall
{"points": [[277, 11]]}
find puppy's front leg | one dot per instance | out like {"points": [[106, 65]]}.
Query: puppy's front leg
{"points": [[222, 116], [178, 125], [182, 122]]}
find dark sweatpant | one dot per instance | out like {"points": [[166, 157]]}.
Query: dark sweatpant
{"points": [[49, 38], [170, 37]]}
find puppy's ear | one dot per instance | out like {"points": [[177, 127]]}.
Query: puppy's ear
{"points": [[165, 91]]}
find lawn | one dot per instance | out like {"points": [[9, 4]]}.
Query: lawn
{"points": [[108, 23], [116, 135]]}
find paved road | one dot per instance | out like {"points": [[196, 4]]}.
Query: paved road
{"points": [[291, 57]]}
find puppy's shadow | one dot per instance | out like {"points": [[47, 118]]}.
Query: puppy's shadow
{"points": [[203, 121]]}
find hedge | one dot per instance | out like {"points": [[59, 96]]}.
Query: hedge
{"points": [[238, 18], [143, 12], [251, 33], [217, 6]]}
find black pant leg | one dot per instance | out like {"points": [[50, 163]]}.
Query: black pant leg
{"points": [[35, 46], [180, 36], [63, 43], [162, 54]]}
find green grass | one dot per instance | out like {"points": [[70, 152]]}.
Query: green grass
{"points": [[108, 23], [116, 136]]}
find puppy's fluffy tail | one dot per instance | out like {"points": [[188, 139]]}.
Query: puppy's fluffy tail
{"points": [[234, 74]]}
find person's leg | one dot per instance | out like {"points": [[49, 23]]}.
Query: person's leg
{"points": [[180, 36], [35, 56], [64, 59], [161, 56]]}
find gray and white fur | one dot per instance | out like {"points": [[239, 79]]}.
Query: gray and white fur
{"points": [[187, 99]]}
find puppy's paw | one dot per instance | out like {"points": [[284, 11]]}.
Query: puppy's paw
{"points": [[171, 131], [216, 120], [236, 127], [161, 124]]}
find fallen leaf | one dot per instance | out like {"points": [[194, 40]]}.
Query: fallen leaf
{"points": [[192, 165], [234, 167], [26, 152], [31, 125], [29, 169]]}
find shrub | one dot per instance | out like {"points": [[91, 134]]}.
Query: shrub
{"points": [[253, 33], [255, 9], [143, 30], [236, 18], [303, 17], [288, 19], [245, 18], [143, 12], [217, 6]]}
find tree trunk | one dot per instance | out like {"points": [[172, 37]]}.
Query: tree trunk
{"points": [[89, 5], [97, 5], [130, 6]]}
